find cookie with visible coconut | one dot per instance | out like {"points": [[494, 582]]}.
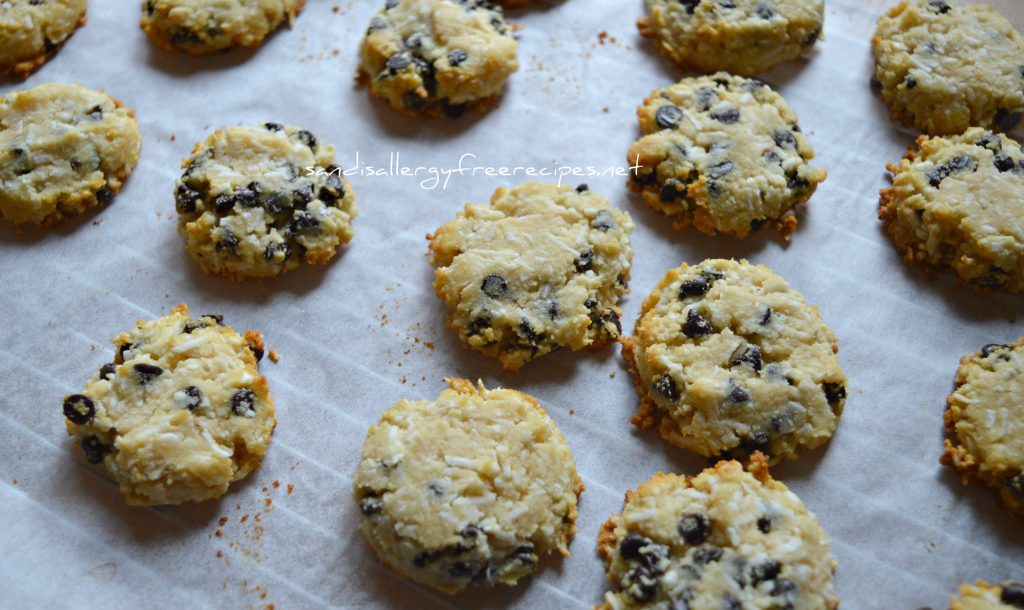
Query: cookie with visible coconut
{"points": [[473, 488], [200, 27], [32, 31], [181, 411]]}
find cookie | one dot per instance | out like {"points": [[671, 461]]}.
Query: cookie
{"points": [[32, 31], [63, 149], [199, 27], [724, 154], [985, 420], [437, 57], [728, 360], [473, 488], [739, 36], [985, 596], [943, 67], [957, 201], [541, 268], [181, 412], [254, 202], [723, 540]]}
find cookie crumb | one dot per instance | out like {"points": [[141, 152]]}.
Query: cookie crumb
{"points": [[223, 521], [274, 355], [291, 488]]}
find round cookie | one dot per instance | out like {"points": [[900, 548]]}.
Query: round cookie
{"points": [[255, 201], [437, 56], [957, 201], [724, 539], [984, 596], [739, 36], [724, 154], [181, 412], [63, 149], [473, 488], [199, 27], [942, 67], [728, 360], [985, 420], [540, 268], [31, 31]]}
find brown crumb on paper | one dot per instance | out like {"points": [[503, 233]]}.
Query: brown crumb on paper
{"points": [[274, 356]]}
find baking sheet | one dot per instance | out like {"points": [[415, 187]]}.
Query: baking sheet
{"points": [[366, 331]]}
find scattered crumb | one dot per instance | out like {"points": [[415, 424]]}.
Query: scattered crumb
{"points": [[223, 521], [173, 137], [268, 502], [244, 518], [335, 9], [277, 484], [219, 534], [274, 355], [605, 110], [572, 411], [220, 553], [290, 488]]}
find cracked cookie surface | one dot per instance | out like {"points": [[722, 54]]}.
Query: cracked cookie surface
{"points": [[957, 201], [943, 67], [724, 539], [181, 412], [985, 420], [198, 27], [540, 268], [437, 56], [739, 36], [728, 360], [724, 154], [32, 31], [473, 488], [63, 149], [256, 201]]}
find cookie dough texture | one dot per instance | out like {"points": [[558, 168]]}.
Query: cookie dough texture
{"points": [[739, 36], [437, 56], [943, 67], [31, 31], [957, 201], [985, 421], [724, 539], [542, 267], [180, 413], [729, 360], [198, 27], [254, 202], [722, 153], [984, 596], [472, 488], [63, 149]]}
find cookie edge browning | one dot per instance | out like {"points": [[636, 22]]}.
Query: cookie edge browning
{"points": [[958, 456], [24, 68], [757, 467], [156, 36]]}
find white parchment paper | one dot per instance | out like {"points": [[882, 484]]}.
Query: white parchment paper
{"points": [[366, 331]]}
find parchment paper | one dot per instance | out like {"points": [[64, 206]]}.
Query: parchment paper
{"points": [[366, 331]]}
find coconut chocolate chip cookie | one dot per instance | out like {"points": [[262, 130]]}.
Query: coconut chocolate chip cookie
{"points": [[31, 31], [63, 149], [539, 269], [957, 201], [739, 36], [943, 67], [180, 413], [985, 420], [254, 202], [728, 360], [724, 154], [725, 539], [437, 56], [984, 596], [473, 488], [198, 27]]}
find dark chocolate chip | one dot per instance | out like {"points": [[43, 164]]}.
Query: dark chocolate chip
{"points": [[195, 396], [246, 197], [784, 138], [603, 221], [630, 546], [273, 126], [104, 195], [1012, 594], [727, 116], [270, 253], [371, 505], [940, 5], [413, 100], [695, 528], [644, 585], [228, 241], [813, 38], [750, 355], [992, 347], [147, 372], [243, 401], [470, 531], [123, 349], [79, 409], [672, 190], [764, 11], [690, 5], [707, 554], [452, 111], [305, 223], [697, 325], [224, 203], [94, 449], [668, 116], [764, 525], [333, 189], [783, 586], [256, 350], [1004, 163], [910, 82], [108, 370], [399, 61], [705, 95], [390, 4], [1015, 485], [583, 188], [585, 261], [697, 287], [457, 56], [766, 317], [764, 571], [1006, 119], [738, 395], [720, 169], [306, 138], [991, 142], [834, 392], [939, 173], [666, 386], [185, 199], [529, 334], [494, 286]]}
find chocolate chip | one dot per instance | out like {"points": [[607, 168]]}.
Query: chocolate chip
{"points": [[583, 188], [108, 370], [992, 347], [306, 138], [609, 323], [764, 571], [834, 392], [399, 61], [333, 189], [1012, 594], [376, 24], [224, 203], [452, 111], [305, 223], [991, 142], [1006, 119], [457, 56], [529, 334], [470, 531], [123, 349], [630, 546], [1015, 484], [720, 169], [216, 317], [94, 449], [738, 395], [668, 116], [784, 138], [781, 423], [764, 525], [243, 402], [104, 195], [644, 586], [697, 287], [705, 95], [270, 253], [585, 261], [672, 190], [413, 100], [764, 12], [494, 286], [876, 84], [690, 5], [766, 317], [147, 372], [195, 396], [1004, 163], [695, 528], [246, 197], [228, 241], [727, 116], [460, 569], [273, 126], [960, 163], [256, 350], [707, 554], [666, 386], [603, 221], [696, 325], [910, 82], [371, 505], [759, 441], [185, 199], [79, 409], [749, 355], [940, 5]]}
